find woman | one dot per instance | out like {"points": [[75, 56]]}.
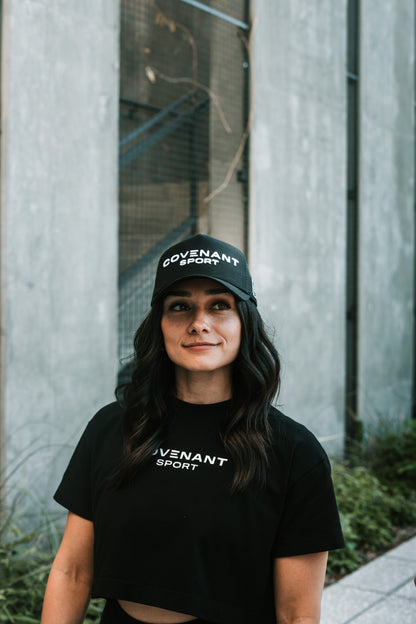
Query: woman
{"points": [[191, 499]]}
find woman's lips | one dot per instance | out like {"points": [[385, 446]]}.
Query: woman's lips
{"points": [[200, 346]]}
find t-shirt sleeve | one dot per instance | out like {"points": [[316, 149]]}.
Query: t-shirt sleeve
{"points": [[310, 520], [75, 492]]}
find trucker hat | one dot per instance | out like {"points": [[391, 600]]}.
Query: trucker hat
{"points": [[204, 256]]}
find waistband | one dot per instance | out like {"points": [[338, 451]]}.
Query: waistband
{"points": [[114, 614]]}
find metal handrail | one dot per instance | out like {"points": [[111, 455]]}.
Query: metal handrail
{"points": [[136, 150], [148, 125], [220, 14]]}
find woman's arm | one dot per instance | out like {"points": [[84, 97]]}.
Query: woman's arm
{"points": [[69, 585], [298, 586]]}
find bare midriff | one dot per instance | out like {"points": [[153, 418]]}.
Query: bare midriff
{"points": [[153, 615]]}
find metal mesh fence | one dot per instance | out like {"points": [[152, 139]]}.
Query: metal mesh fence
{"points": [[183, 110]]}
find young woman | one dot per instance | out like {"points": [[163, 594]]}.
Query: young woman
{"points": [[192, 499]]}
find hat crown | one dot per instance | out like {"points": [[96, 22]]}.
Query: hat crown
{"points": [[204, 256]]}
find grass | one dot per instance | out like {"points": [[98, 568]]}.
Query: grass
{"points": [[25, 561]]}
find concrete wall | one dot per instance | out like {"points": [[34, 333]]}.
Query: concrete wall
{"points": [[59, 234], [298, 191], [386, 209]]}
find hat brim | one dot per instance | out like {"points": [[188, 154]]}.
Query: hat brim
{"points": [[236, 291]]}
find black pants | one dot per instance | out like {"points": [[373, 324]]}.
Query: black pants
{"points": [[114, 614]]}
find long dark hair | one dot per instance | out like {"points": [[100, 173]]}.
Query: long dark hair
{"points": [[145, 398]]}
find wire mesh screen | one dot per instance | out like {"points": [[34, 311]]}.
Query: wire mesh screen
{"points": [[183, 130]]}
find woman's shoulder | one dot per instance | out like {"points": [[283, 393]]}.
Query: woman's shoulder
{"points": [[292, 438], [106, 419], [109, 411], [287, 426]]}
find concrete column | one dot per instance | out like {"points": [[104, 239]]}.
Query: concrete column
{"points": [[386, 210], [59, 235], [298, 201]]}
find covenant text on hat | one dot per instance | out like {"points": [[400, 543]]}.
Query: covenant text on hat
{"points": [[199, 256]]}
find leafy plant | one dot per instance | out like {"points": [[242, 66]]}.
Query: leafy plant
{"points": [[391, 455], [24, 570], [346, 559], [375, 492], [365, 512], [25, 561]]}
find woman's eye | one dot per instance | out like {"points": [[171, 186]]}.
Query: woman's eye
{"points": [[178, 307], [221, 305]]}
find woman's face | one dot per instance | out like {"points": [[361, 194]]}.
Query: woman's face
{"points": [[201, 326]]}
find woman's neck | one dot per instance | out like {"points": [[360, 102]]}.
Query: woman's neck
{"points": [[203, 387]]}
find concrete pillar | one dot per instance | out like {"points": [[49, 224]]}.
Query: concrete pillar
{"points": [[298, 201], [386, 210], [59, 235]]}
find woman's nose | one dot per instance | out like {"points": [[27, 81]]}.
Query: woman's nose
{"points": [[199, 322]]}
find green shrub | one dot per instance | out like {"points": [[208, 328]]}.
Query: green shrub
{"points": [[346, 559], [365, 501], [24, 570], [365, 511], [391, 456], [375, 493], [25, 560]]}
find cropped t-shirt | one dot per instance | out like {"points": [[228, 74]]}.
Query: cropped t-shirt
{"points": [[176, 537]]}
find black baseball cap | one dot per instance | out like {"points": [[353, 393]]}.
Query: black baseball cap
{"points": [[204, 256]]}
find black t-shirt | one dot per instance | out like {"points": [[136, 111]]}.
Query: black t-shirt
{"points": [[176, 537]]}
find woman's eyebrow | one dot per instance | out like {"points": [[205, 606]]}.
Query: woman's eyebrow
{"points": [[187, 293], [178, 293], [217, 291]]}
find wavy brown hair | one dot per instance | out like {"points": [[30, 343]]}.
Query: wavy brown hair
{"points": [[246, 435]]}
